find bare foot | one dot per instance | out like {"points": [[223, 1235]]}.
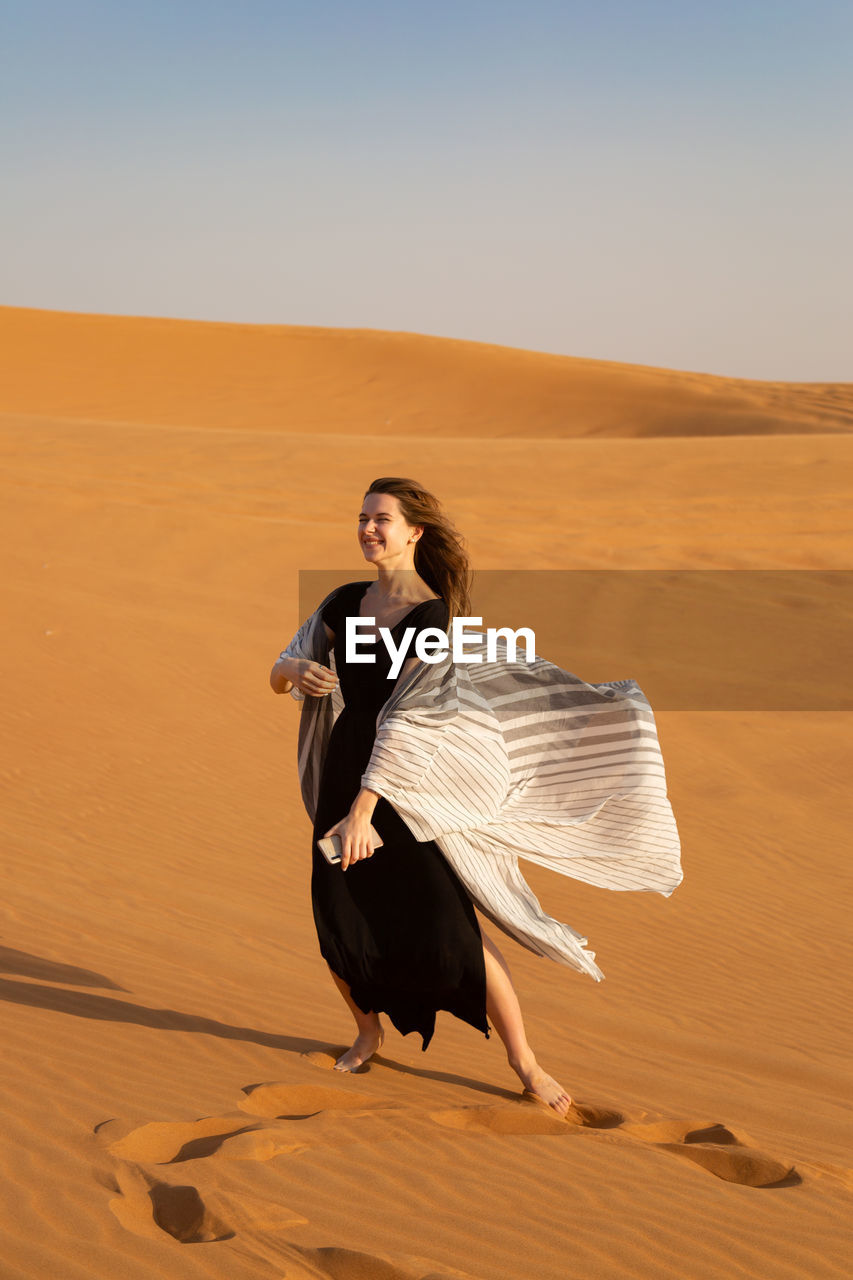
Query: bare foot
{"points": [[545, 1088], [365, 1046]]}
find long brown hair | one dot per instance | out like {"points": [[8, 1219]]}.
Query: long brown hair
{"points": [[441, 558]]}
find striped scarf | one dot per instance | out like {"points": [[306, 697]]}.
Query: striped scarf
{"points": [[500, 760]]}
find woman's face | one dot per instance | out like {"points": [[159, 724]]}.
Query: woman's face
{"points": [[383, 534]]}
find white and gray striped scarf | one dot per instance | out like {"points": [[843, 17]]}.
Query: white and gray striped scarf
{"points": [[500, 760]]}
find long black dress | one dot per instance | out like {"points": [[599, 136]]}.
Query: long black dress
{"points": [[399, 927]]}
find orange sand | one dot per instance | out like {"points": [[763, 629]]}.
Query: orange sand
{"points": [[167, 1021]]}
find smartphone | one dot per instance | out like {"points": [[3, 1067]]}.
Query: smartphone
{"points": [[332, 847]]}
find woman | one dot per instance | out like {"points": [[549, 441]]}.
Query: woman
{"points": [[395, 924]]}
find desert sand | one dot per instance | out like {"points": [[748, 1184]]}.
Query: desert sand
{"points": [[168, 1025]]}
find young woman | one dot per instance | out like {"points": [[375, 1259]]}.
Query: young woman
{"points": [[395, 925]]}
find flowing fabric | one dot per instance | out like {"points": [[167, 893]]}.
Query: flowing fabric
{"points": [[501, 759]]}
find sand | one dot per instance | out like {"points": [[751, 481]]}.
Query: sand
{"points": [[168, 1106]]}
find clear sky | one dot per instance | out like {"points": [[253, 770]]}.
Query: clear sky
{"points": [[664, 182]]}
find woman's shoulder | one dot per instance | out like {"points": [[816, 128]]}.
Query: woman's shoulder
{"points": [[433, 613], [339, 601]]}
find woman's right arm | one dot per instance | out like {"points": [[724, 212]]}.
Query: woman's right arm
{"points": [[310, 678]]}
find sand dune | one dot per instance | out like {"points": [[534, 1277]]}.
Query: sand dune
{"points": [[169, 1029], [362, 381]]}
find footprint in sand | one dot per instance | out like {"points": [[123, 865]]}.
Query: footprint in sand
{"points": [[718, 1150], [593, 1117], [748, 1168], [217, 1137], [299, 1102], [514, 1118], [527, 1116], [232, 1136], [714, 1147], [148, 1206]]}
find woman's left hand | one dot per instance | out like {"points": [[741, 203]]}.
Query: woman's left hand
{"points": [[356, 836]]}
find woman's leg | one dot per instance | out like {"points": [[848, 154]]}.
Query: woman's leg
{"points": [[505, 1013], [370, 1033]]}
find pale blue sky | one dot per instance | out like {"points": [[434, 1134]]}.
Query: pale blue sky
{"points": [[665, 182]]}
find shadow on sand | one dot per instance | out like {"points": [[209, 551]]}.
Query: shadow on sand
{"points": [[84, 1004]]}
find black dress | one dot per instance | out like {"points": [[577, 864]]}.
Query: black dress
{"points": [[398, 927]]}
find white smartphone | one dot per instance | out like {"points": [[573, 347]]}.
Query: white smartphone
{"points": [[332, 847]]}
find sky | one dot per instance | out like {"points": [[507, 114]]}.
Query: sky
{"points": [[661, 182]]}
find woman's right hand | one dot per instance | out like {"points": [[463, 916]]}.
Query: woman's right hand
{"points": [[311, 678]]}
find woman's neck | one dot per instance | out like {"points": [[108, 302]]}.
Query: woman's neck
{"points": [[399, 584]]}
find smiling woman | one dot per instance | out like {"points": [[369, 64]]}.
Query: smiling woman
{"points": [[394, 922]]}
